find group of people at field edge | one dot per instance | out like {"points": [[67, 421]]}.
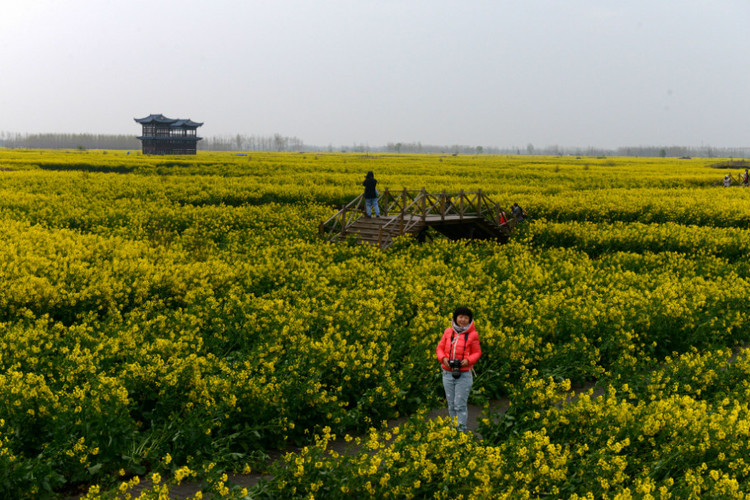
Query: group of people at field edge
{"points": [[372, 193], [744, 179], [518, 213]]}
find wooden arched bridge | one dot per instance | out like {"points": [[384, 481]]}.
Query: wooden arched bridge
{"points": [[455, 215]]}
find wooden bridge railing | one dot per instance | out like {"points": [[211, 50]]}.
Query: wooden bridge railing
{"points": [[411, 208], [348, 214], [737, 181], [444, 204]]}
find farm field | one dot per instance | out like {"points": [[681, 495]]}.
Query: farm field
{"points": [[177, 318]]}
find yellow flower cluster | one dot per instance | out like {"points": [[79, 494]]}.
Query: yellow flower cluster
{"points": [[598, 238]]}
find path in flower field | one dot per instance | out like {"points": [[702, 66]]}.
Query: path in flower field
{"points": [[189, 489]]}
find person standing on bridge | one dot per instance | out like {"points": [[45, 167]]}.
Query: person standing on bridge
{"points": [[458, 351], [518, 213], [371, 194]]}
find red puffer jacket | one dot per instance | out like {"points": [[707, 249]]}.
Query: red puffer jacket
{"points": [[460, 348]]}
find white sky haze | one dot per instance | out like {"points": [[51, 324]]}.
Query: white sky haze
{"points": [[600, 73]]}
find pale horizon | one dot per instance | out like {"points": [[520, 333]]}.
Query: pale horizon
{"points": [[599, 74]]}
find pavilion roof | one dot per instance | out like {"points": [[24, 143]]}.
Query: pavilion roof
{"points": [[172, 122]]}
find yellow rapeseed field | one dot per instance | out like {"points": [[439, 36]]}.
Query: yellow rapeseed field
{"points": [[176, 318]]}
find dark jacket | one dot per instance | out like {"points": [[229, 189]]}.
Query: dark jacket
{"points": [[370, 191]]}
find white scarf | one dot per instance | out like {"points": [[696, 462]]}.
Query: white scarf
{"points": [[460, 329]]}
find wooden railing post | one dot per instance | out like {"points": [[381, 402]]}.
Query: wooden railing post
{"points": [[442, 206], [461, 205], [422, 206], [479, 202], [385, 205], [404, 194], [343, 221]]}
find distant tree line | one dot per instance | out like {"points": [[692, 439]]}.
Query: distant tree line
{"points": [[418, 147], [68, 141], [530, 149], [684, 152], [237, 142], [278, 142]]}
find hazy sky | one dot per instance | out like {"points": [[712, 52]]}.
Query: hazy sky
{"points": [[603, 73]]}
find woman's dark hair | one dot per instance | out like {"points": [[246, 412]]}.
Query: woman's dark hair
{"points": [[462, 310], [369, 175]]}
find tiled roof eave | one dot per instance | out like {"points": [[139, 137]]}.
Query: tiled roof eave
{"points": [[167, 138]]}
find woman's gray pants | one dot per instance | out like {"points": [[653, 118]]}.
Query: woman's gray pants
{"points": [[457, 393]]}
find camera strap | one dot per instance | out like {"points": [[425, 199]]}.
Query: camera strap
{"points": [[466, 341]]}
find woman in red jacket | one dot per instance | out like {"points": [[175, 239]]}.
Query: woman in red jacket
{"points": [[457, 352]]}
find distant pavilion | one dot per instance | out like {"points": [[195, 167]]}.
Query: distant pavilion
{"points": [[168, 136]]}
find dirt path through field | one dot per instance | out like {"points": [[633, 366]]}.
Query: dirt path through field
{"points": [[341, 446], [189, 489]]}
